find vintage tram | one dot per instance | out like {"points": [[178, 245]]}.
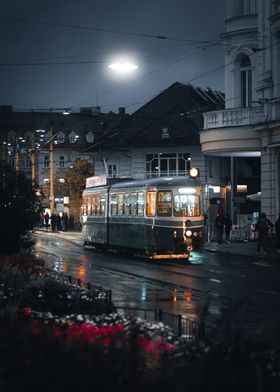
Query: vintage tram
{"points": [[161, 217]]}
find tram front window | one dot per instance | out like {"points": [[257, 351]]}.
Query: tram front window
{"points": [[164, 203], [186, 205]]}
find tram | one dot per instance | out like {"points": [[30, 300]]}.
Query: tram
{"points": [[160, 217]]}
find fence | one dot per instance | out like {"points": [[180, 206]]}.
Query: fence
{"points": [[179, 325]]}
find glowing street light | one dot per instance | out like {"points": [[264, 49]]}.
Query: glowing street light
{"points": [[123, 67]]}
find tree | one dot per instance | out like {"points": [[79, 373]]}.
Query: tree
{"points": [[19, 209], [76, 181]]}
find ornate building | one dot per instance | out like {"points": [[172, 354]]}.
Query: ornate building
{"points": [[250, 123]]}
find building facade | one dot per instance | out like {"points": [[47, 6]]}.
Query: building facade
{"points": [[45, 144], [249, 126]]}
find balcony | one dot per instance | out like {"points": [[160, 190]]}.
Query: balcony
{"points": [[233, 117], [232, 132]]}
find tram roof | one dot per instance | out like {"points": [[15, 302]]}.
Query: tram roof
{"points": [[160, 181]]}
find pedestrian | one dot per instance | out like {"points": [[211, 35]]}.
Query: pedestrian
{"points": [[58, 222], [63, 222], [263, 225], [205, 226], [53, 221], [47, 218], [228, 227], [277, 229], [219, 225], [66, 221], [71, 222]]}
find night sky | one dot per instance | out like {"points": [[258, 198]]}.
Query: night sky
{"points": [[83, 37]]}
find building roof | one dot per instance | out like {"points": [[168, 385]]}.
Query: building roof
{"points": [[173, 117], [80, 123]]}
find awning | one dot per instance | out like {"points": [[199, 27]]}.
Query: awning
{"points": [[254, 197]]}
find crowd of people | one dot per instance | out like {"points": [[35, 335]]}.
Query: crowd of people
{"points": [[267, 240], [58, 222]]}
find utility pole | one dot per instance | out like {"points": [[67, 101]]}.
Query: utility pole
{"points": [[17, 158], [33, 167], [51, 179]]}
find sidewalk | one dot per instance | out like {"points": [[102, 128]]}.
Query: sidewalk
{"points": [[72, 236], [248, 249]]}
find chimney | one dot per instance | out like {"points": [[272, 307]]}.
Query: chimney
{"points": [[122, 110]]}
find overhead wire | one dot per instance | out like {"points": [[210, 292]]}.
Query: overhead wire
{"points": [[91, 28]]}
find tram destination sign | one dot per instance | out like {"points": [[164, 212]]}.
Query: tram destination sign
{"points": [[96, 181]]}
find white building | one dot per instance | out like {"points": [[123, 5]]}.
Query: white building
{"points": [[250, 123]]}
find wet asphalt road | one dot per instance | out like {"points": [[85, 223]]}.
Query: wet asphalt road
{"points": [[214, 286]]}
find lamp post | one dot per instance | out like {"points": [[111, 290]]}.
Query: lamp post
{"points": [[51, 180]]}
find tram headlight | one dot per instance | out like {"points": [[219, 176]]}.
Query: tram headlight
{"points": [[188, 223], [188, 233], [194, 172], [195, 234]]}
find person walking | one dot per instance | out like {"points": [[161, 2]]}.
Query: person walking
{"points": [[53, 221], [219, 225], [277, 229], [47, 218], [71, 222], [66, 221], [228, 227], [263, 225]]}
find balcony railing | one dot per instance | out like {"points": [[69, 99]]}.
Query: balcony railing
{"points": [[149, 175], [233, 117]]}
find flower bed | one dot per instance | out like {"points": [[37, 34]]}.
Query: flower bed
{"points": [[44, 352]]}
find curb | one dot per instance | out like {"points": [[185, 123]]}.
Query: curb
{"points": [[271, 258]]}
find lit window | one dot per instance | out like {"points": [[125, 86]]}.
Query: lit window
{"points": [[151, 203]]}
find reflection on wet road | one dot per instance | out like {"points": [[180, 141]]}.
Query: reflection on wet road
{"points": [[211, 285]]}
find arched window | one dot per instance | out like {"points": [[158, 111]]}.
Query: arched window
{"points": [[245, 82]]}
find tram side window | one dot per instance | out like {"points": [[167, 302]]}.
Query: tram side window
{"points": [[186, 205], [102, 204], [151, 204], [88, 204], [140, 204], [164, 203], [126, 204], [114, 204], [95, 205], [120, 204], [84, 205], [133, 205]]}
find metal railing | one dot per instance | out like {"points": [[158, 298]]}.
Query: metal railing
{"points": [[180, 325]]}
